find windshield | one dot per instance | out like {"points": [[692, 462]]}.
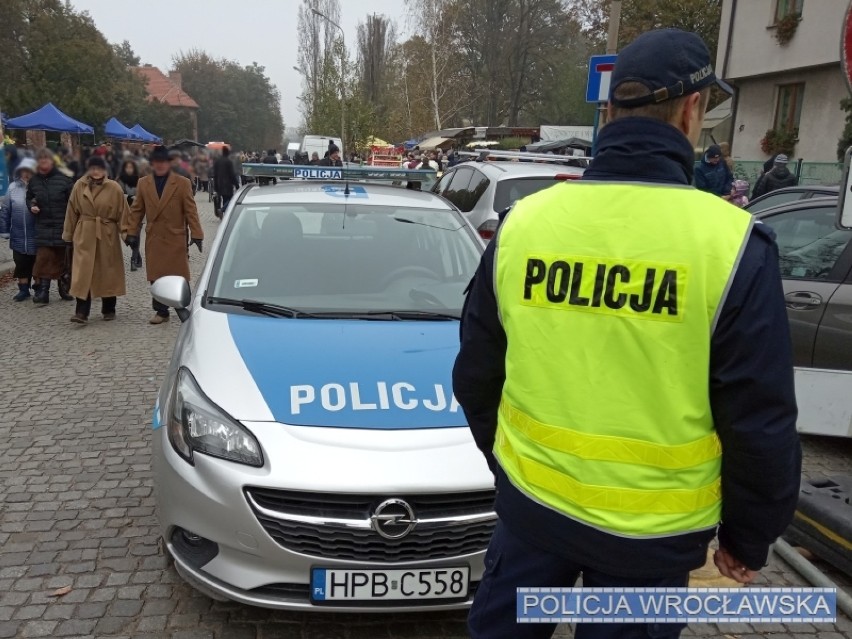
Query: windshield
{"points": [[510, 191], [316, 259]]}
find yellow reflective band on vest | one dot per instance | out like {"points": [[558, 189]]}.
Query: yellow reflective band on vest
{"points": [[608, 448], [624, 500], [609, 294]]}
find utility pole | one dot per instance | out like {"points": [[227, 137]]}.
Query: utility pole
{"points": [[611, 44]]}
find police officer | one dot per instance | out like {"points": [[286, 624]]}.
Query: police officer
{"points": [[625, 365]]}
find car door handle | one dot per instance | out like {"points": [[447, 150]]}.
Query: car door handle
{"points": [[802, 300]]}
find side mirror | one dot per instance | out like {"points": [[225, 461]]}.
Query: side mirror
{"points": [[173, 291], [844, 201]]}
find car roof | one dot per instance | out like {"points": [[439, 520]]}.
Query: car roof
{"points": [[812, 203], [505, 170], [331, 192]]}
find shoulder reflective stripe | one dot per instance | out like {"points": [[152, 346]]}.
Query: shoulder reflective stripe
{"points": [[609, 448], [625, 500], [731, 277]]}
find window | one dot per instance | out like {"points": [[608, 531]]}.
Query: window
{"points": [[784, 8], [457, 188], [512, 190], [809, 242], [357, 258], [788, 106], [776, 198]]}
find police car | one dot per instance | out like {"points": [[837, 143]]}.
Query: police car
{"points": [[308, 450]]}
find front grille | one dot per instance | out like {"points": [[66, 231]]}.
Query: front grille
{"points": [[425, 542]]}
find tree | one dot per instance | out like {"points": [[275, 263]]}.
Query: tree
{"points": [[319, 53], [637, 16], [53, 53], [376, 43], [125, 53], [434, 21], [522, 58], [237, 104]]}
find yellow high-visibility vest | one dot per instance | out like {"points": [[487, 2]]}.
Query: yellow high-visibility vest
{"points": [[609, 294]]}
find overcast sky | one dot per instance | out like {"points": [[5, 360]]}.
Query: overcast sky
{"points": [[262, 31]]}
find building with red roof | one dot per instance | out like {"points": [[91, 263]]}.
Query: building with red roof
{"points": [[167, 89]]}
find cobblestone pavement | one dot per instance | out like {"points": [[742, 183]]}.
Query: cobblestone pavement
{"points": [[76, 506]]}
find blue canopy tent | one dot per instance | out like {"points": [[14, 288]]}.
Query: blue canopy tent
{"points": [[144, 134], [49, 118], [115, 129]]}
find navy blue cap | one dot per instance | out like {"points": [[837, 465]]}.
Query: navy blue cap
{"points": [[671, 63]]}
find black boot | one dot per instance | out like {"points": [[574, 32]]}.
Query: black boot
{"points": [[42, 295]]}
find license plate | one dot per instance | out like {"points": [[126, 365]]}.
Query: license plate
{"points": [[331, 584]]}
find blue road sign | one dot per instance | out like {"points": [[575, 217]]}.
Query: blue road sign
{"points": [[600, 72]]}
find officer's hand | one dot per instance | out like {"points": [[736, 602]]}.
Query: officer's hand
{"points": [[197, 242], [733, 568], [34, 209], [132, 241]]}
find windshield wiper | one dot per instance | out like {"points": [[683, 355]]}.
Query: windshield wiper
{"points": [[264, 308], [404, 315]]}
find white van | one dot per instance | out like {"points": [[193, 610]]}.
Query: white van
{"points": [[319, 144]]}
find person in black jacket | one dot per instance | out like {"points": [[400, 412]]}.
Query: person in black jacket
{"points": [[749, 383], [333, 157], [269, 158], [778, 177], [47, 196], [225, 180]]}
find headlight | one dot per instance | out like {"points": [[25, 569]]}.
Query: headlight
{"points": [[197, 424]]}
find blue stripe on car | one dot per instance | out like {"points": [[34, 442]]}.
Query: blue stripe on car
{"points": [[352, 373]]}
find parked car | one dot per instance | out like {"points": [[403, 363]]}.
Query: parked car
{"points": [[816, 269], [790, 194], [481, 190], [307, 449]]}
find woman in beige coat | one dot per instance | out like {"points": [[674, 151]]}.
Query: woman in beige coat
{"points": [[96, 210]]}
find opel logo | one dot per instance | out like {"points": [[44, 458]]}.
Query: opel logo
{"points": [[393, 519]]}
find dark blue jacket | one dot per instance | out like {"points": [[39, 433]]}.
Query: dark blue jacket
{"points": [[750, 384], [713, 178], [16, 219]]}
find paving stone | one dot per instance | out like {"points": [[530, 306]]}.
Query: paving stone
{"points": [[42, 628], [124, 608], [75, 627]]}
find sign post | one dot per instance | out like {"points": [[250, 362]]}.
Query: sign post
{"points": [[597, 87]]}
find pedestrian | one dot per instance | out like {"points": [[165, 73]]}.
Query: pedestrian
{"points": [[225, 180], [269, 158], [128, 179], [164, 201], [625, 365], [17, 225], [778, 177], [333, 158], [713, 175], [47, 195], [315, 159], [96, 211], [201, 166]]}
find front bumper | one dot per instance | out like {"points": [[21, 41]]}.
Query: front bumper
{"points": [[210, 499]]}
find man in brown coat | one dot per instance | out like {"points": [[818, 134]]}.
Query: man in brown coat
{"points": [[164, 199], [96, 210]]}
